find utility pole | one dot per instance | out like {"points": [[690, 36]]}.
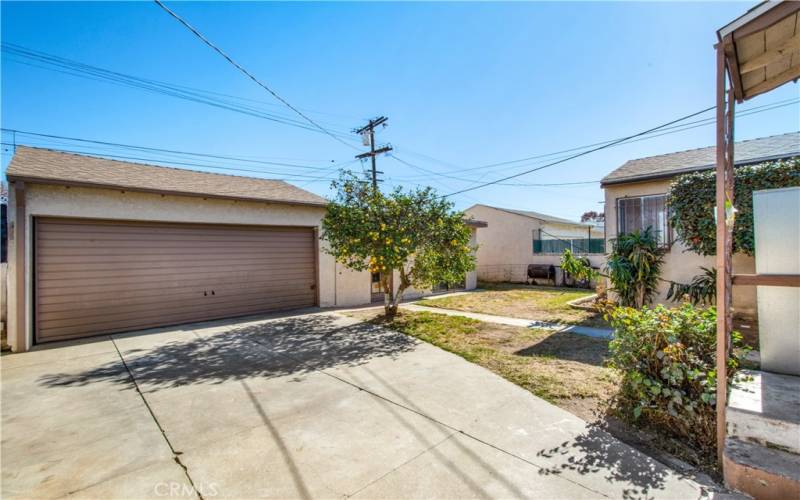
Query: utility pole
{"points": [[368, 131]]}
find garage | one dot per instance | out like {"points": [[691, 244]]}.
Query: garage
{"points": [[104, 276], [100, 246]]}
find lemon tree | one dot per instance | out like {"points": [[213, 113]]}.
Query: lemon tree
{"points": [[414, 236]]}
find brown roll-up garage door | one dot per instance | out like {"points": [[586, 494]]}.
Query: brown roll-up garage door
{"points": [[95, 276]]}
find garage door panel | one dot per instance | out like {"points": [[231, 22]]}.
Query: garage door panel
{"points": [[140, 323], [210, 260], [137, 233], [110, 270], [59, 291], [118, 302], [168, 316], [158, 309], [94, 249], [95, 277]]}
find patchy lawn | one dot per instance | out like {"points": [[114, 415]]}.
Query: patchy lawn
{"points": [[563, 368], [523, 301]]}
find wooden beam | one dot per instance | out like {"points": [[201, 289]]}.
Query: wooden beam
{"points": [[776, 14], [786, 48], [790, 74], [792, 280], [733, 67], [720, 260]]}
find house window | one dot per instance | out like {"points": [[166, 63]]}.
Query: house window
{"points": [[641, 212], [547, 243]]}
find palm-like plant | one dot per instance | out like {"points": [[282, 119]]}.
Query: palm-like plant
{"points": [[634, 267]]}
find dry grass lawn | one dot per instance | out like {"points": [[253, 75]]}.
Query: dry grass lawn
{"points": [[523, 301], [563, 368]]}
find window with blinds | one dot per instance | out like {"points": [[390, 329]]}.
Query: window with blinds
{"points": [[641, 212]]}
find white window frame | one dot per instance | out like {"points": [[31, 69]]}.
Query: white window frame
{"points": [[668, 227]]}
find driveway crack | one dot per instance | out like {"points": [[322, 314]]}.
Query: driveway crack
{"points": [[175, 453]]}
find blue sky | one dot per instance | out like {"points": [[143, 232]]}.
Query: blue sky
{"points": [[463, 85]]}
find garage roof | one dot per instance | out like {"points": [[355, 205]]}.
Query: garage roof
{"points": [[38, 165], [533, 215], [775, 147]]}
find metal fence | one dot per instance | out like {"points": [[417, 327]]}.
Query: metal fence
{"points": [[576, 245]]}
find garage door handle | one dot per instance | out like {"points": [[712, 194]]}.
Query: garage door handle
{"points": [[313, 287]]}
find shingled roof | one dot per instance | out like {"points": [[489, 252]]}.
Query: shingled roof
{"points": [[533, 215], [47, 166], [775, 147]]}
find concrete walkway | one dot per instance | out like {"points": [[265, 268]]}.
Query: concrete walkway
{"points": [[603, 333], [306, 406]]}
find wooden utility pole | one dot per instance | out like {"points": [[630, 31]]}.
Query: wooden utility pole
{"points": [[369, 128]]}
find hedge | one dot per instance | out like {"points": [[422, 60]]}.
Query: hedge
{"points": [[691, 202]]}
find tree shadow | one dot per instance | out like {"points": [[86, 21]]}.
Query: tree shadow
{"points": [[597, 451], [569, 346], [274, 348]]}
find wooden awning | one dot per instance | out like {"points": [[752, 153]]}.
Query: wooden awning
{"points": [[762, 48]]}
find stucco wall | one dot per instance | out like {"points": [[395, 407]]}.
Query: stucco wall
{"points": [[505, 247], [680, 264], [339, 286]]}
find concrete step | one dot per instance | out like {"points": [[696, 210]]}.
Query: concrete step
{"points": [[761, 472], [764, 408]]}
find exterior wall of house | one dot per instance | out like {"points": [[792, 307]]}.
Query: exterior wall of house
{"points": [[505, 247], [680, 264], [338, 286]]}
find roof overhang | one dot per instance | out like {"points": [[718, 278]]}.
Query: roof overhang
{"points": [[675, 173], [762, 48], [67, 183]]}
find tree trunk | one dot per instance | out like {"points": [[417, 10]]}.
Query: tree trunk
{"points": [[389, 298], [392, 301]]}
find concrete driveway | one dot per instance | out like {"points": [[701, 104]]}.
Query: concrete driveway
{"points": [[312, 405]]}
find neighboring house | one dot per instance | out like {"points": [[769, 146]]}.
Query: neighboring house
{"points": [[99, 246], [516, 238], [635, 199]]}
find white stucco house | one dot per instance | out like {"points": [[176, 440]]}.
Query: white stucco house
{"points": [[514, 239], [636, 194], [99, 246]]}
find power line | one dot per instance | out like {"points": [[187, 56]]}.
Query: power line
{"points": [[665, 131], [81, 70], [161, 150], [151, 161], [249, 75], [686, 117]]}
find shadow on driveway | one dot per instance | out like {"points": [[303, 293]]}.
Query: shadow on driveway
{"points": [[274, 348], [596, 451]]}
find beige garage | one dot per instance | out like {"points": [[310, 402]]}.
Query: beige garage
{"points": [[99, 246], [104, 276]]}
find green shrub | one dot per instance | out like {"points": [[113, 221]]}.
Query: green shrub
{"points": [[702, 289], [692, 198], [667, 361], [634, 267]]}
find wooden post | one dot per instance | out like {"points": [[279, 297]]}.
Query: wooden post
{"points": [[722, 375], [724, 261], [729, 195]]}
